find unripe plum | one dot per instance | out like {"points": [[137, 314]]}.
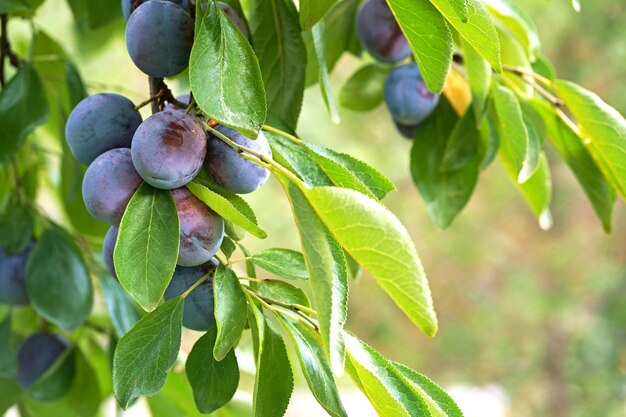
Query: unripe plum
{"points": [[108, 248], [198, 313], [380, 33], [12, 275], [99, 123], [201, 229], [231, 170], [408, 99], [35, 356], [159, 37], [109, 184], [168, 149], [129, 6]]}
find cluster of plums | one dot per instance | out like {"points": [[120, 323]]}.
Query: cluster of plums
{"points": [[408, 99]]}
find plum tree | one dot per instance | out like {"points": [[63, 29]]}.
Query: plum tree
{"points": [[129, 6], [201, 229], [35, 356], [408, 99], [108, 247], [12, 274], [231, 170], [99, 123], [198, 312], [235, 18], [168, 149], [109, 184], [159, 37], [380, 33]]}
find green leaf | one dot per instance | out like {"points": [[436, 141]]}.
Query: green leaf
{"points": [[54, 270], [10, 394], [228, 205], [20, 7], [430, 39], [311, 11], [571, 148], [380, 381], [23, 107], [478, 29], [175, 399], [377, 240], [319, 43], [92, 14], [230, 311], [285, 263], [518, 22], [224, 73], [537, 192], [445, 162], [16, 227], [327, 268], [145, 354], [283, 292], [364, 90], [57, 379], [8, 358], [297, 159], [603, 131], [147, 245], [213, 383], [228, 247], [479, 75], [314, 366], [281, 53], [119, 304], [514, 55]]}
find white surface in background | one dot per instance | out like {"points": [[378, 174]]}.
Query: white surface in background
{"points": [[488, 401]]}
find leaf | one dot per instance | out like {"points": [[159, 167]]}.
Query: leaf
{"points": [[54, 270], [145, 354], [518, 22], [213, 383], [537, 192], [228, 247], [479, 75], [119, 304], [16, 227], [429, 37], [23, 107], [319, 43], [327, 268], [445, 162], [281, 53], [285, 263], [8, 357], [311, 11], [56, 380], [364, 90], [147, 245], [230, 206], [387, 390], [314, 366], [21, 7], [230, 311], [478, 29], [603, 131], [224, 73], [514, 55], [175, 399], [283, 292], [10, 393], [377, 240]]}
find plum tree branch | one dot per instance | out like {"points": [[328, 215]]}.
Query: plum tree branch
{"points": [[5, 48], [300, 310]]}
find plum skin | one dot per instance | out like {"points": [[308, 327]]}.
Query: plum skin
{"points": [[159, 37], [198, 312], [35, 356], [99, 123], [108, 248], [109, 184], [229, 169], [408, 99], [168, 149], [380, 33], [201, 229], [12, 276], [128, 9]]}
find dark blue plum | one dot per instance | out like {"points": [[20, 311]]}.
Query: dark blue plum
{"points": [[198, 313], [35, 356], [183, 99], [107, 249], [229, 169], [168, 149], [235, 18], [408, 99], [129, 6], [380, 33], [408, 131], [99, 123], [201, 229], [108, 185], [159, 37], [12, 274]]}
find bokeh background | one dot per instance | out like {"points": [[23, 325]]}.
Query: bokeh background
{"points": [[533, 323]]}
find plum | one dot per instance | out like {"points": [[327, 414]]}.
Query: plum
{"points": [[129, 6], [159, 37], [35, 356], [99, 123], [408, 131], [108, 247], [201, 229], [168, 149], [198, 314], [380, 33], [12, 274], [183, 99], [408, 99], [109, 184], [235, 18], [231, 170]]}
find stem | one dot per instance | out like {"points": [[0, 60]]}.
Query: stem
{"points": [[150, 100], [525, 71], [195, 285], [4, 45], [287, 313], [557, 102], [155, 87], [296, 308], [282, 133]]}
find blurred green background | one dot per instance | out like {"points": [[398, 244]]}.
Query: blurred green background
{"points": [[532, 323]]}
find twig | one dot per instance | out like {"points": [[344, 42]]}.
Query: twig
{"points": [[525, 71], [155, 87], [282, 133], [150, 100]]}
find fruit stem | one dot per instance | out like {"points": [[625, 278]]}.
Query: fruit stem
{"points": [[155, 88], [282, 133], [195, 285], [521, 71]]}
